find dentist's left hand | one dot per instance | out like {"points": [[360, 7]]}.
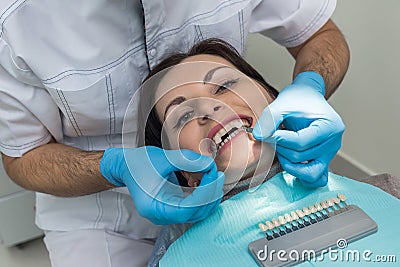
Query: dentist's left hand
{"points": [[145, 172], [313, 130]]}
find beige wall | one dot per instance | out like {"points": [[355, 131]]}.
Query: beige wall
{"points": [[369, 98]]}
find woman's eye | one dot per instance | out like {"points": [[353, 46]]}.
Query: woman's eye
{"points": [[226, 85], [184, 118]]}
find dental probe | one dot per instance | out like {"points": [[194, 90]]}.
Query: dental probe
{"points": [[249, 132]]}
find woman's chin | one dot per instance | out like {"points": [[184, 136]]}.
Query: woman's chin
{"points": [[243, 158], [239, 159]]}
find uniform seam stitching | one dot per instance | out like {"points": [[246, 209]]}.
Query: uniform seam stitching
{"points": [[199, 33], [105, 67], [100, 210], [69, 112], [119, 214], [309, 26], [5, 18], [192, 20], [112, 103], [109, 103], [241, 31], [25, 145]]}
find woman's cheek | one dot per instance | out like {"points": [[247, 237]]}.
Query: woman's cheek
{"points": [[188, 139]]}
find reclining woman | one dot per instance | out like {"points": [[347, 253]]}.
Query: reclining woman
{"points": [[203, 101]]}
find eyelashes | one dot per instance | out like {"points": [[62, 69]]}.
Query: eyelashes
{"points": [[184, 119], [226, 85]]}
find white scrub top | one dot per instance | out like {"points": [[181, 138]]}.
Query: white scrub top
{"points": [[69, 68]]}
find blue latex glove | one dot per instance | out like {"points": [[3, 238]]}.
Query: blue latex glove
{"points": [[313, 130], [148, 172]]}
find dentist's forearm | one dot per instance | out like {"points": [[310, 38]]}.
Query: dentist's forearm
{"points": [[58, 170], [326, 53]]}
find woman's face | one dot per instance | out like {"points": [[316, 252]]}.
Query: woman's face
{"points": [[205, 103]]}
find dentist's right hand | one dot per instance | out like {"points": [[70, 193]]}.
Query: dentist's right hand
{"points": [[145, 172]]}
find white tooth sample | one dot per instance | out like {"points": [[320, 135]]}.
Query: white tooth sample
{"points": [[275, 222], [300, 213], [282, 220], [263, 227], [318, 206], [288, 218], [312, 209], [270, 225], [294, 215], [306, 211]]}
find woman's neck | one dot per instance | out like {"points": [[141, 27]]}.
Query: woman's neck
{"points": [[234, 189]]}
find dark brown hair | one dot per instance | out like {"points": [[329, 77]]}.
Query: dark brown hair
{"points": [[151, 134], [153, 125]]}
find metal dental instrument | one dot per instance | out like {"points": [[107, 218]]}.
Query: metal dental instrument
{"points": [[249, 130]]}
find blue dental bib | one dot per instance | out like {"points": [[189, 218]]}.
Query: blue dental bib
{"points": [[222, 239]]}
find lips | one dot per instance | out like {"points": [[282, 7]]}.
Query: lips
{"points": [[224, 131]]}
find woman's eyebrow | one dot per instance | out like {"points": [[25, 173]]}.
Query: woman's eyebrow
{"points": [[181, 99], [176, 101], [211, 72]]}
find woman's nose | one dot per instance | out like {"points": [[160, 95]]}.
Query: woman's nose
{"points": [[209, 113]]}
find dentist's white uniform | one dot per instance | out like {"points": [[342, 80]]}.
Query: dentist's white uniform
{"points": [[68, 70]]}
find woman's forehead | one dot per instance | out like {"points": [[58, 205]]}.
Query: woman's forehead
{"points": [[191, 70], [208, 58]]}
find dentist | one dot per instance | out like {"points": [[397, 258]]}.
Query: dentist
{"points": [[68, 70]]}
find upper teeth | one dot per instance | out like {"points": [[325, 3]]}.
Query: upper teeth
{"points": [[232, 129]]}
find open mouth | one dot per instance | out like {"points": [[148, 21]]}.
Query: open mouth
{"points": [[229, 128]]}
